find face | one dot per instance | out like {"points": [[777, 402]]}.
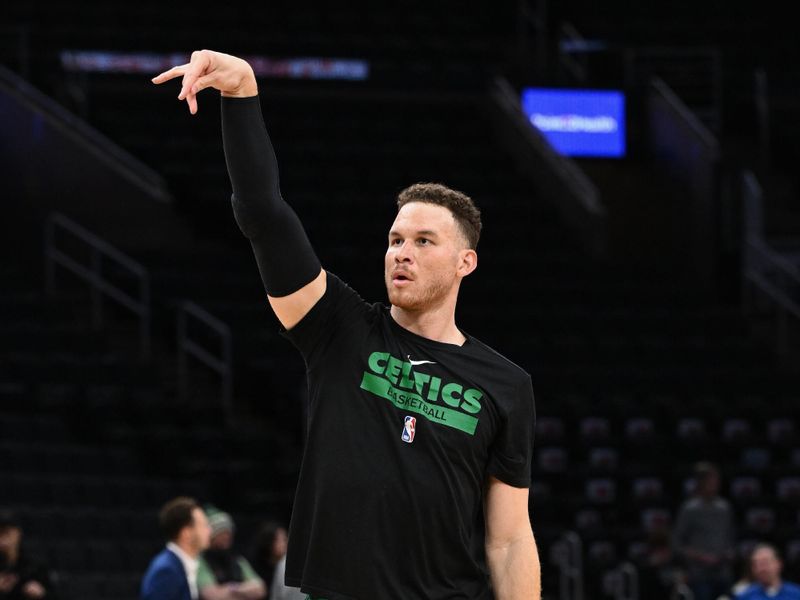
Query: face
{"points": [[199, 531], [427, 257], [222, 541], [280, 543], [766, 567], [710, 486], [10, 538]]}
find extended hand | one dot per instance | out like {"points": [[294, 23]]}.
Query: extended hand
{"points": [[230, 75]]}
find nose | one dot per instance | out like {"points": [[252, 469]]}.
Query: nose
{"points": [[404, 253]]}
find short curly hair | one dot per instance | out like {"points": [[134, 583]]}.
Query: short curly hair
{"points": [[466, 214]]}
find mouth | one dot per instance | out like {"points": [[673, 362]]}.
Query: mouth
{"points": [[401, 279]]}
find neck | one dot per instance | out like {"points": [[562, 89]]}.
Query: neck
{"points": [[187, 548], [437, 323]]}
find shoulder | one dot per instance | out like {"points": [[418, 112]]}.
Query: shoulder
{"points": [[722, 504], [499, 362], [751, 592], [792, 588], [165, 561]]}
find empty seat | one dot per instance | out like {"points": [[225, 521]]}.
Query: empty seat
{"points": [[745, 489], [736, 431], [755, 458], [601, 554], [647, 489], [691, 429], [601, 490], [588, 519], [552, 460], [781, 432], [760, 520], [787, 489], [655, 519], [595, 429], [640, 430], [549, 429], [603, 459]]}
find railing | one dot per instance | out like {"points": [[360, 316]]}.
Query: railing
{"points": [[532, 27], [92, 274], [559, 179], [221, 363], [568, 555], [765, 269], [688, 152], [626, 582], [694, 73]]}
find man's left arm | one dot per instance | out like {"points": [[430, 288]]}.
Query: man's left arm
{"points": [[511, 552]]}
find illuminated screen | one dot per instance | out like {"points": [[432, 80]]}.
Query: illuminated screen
{"points": [[578, 122]]}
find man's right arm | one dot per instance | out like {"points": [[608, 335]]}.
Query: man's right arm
{"points": [[290, 270]]}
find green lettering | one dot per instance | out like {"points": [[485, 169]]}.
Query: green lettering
{"points": [[406, 381], [433, 390], [420, 379], [451, 394], [377, 362], [471, 402], [393, 366]]}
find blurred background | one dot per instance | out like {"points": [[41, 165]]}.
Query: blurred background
{"points": [[636, 165]]}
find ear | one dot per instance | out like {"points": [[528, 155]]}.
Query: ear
{"points": [[467, 262]]}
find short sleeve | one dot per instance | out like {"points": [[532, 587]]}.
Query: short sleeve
{"points": [[205, 577], [340, 310], [512, 449]]}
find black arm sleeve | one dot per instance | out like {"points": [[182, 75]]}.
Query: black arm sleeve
{"points": [[283, 253]]}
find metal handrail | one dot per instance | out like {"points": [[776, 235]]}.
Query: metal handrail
{"points": [[93, 275], [763, 267], [627, 583], [570, 564], [222, 364]]}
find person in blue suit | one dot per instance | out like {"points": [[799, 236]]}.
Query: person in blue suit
{"points": [[766, 567], [172, 574]]}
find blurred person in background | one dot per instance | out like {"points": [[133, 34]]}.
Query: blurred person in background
{"points": [[172, 574], [766, 568], [703, 536], [224, 574], [279, 590], [269, 547], [656, 567], [21, 577]]}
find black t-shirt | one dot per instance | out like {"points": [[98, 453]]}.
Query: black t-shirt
{"points": [[403, 432]]}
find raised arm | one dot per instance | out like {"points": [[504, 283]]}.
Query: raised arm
{"points": [[290, 270]]}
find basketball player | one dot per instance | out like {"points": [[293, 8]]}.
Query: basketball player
{"points": [[414, 481]]}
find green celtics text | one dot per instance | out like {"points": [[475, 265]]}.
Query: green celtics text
{"points": [[447, 403]]}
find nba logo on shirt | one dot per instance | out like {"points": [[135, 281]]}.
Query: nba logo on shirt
{"points": [[408, 429]]}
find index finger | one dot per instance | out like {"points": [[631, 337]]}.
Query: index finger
{"points": [[171, 74]]}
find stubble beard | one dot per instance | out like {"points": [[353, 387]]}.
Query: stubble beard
{"points": [[418, 300]]}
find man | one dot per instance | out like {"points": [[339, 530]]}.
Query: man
{"points": [[415, 475], [224, 574], [765, 568], [21, 577], [172, 575], [703, 536]]}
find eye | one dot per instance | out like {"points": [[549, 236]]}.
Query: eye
{"points": [[395, 242], [423, 241]]}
